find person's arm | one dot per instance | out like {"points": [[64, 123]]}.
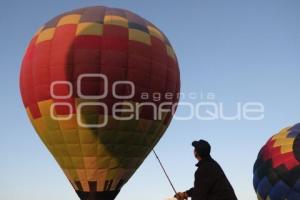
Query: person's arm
{"points": [[189, 192], [185, 195], [204, 180]]}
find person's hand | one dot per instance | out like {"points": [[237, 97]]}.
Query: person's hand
{"points": [[181, 196]]}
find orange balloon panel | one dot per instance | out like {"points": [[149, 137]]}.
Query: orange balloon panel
{"points": [[68, 86]]}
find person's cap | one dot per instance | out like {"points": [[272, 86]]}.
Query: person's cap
{"points": [[202, 147]]}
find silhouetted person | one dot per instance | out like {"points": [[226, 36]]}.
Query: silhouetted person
{"points": [[210, 180]]}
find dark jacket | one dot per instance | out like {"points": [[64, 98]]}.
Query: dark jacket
{"points": [[211, 182]]}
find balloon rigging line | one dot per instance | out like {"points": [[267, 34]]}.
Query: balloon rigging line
{"points": [[160, 163]]}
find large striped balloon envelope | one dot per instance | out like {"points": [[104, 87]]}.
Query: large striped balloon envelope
{"points": [[100, 86], [277, 168]]}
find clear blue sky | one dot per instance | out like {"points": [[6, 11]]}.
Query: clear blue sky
{"points": [[240, 50]]}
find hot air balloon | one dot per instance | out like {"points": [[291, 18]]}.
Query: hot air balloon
{"points": [[277, 168], [87, 82]]}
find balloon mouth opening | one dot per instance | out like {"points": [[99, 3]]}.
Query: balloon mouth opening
{"points": [[94, 195]]}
